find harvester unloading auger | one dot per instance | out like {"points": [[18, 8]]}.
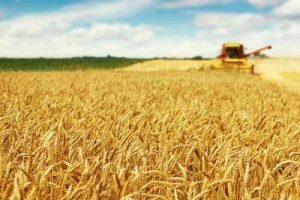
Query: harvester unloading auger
{"points": [[233, 57]]}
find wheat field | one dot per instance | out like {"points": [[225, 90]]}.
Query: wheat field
{"points": [[156, 135]]}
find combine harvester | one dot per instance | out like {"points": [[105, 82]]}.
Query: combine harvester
{"points": [[233, 57]]}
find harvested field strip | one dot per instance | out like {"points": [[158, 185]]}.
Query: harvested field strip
{"points": [[292, 76]]}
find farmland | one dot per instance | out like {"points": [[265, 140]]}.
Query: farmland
{"points": [[49, 64], [147, 135]]}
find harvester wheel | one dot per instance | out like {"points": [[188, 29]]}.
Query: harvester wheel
{"points": [[252, 70]]}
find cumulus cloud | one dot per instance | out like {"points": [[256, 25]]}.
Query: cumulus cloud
{"points": [[254, 30], [290, 8], [74, 30], [229, 23], [92, 29], [59, 40]]}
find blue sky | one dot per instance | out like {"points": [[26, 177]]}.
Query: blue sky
{"points": [[148, 28], [28, 6]]}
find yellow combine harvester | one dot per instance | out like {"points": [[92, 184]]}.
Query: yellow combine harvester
{"points": [[233, 58]]}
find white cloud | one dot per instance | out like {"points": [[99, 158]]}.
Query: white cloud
{"points": [[59, 40], [265, 3], [253, 30], [59, 34], [83, 29], [90, 11], [229, 23], [290, 8], [189, 3]]}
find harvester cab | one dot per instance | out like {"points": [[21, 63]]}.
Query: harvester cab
{"points": [[233, 57], [232, 51]]}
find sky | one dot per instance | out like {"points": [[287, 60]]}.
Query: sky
{"points": [[146, 28]]}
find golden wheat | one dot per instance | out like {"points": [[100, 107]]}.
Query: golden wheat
{"points": [[137, 135]]}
